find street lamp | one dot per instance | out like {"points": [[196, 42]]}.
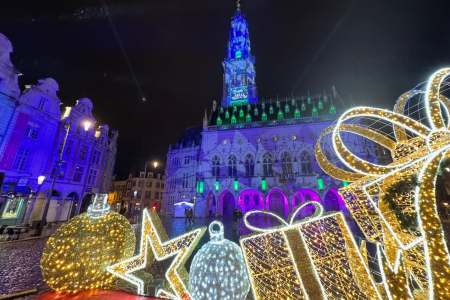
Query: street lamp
{"points": [[40, 181], [55, 171], [155, 164], [87, 124]]}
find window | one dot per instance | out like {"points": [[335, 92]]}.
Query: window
{"points": [[41, 104], [157, 185], [148, 194], [83, 152], [232, 168], [32, 132], [157, 195], [78, 174], [21, 161], [185, 180], [149, 183], [249, 166], [187, 160], [92, 176], [162, 185], [286, 165], [215, 166], [69, 146], [134, 182], [96, 157], [140, 183], [267, 165], [305, 163]]}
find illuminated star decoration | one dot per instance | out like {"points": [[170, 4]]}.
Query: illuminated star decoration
{"points": [[154, 239]]}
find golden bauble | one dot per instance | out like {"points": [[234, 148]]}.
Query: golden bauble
{"points": [[75, 257]]}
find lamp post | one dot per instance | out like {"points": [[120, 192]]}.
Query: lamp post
{"points": [[87, 125], [55, 172], [40, 181]]}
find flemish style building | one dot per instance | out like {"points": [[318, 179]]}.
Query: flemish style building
{"points": [[253, 153], [33, 129]]}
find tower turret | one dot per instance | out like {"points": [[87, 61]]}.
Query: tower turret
{"points": [[239, 65]]}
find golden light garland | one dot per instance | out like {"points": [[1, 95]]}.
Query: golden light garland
{"points": [[315, 258], [76, 256], [155, 245], [417, 149]]}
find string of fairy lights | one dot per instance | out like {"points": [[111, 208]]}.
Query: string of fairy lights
{"points": [[316, 257]]}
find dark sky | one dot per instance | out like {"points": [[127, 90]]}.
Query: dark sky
{"points": [[372, 51]]}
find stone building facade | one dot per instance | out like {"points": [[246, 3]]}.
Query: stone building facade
{"points": [[33, 129], [253, 153], [137, 192]]}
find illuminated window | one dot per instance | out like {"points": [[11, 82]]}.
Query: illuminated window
{"points": [[267, 165], [21, 161], [305, 163], [215, 166], [286, 165], [249, 166], [78, 174], [232, 167]]}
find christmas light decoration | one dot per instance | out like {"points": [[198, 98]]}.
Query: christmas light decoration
{"points": [[314, 258], [406, 227], [75, 257], [218, 269], [155, 244]]}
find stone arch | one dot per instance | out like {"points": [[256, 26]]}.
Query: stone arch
{"points": [[227, 204], [250, 199], [277, 202], [304, 195]]}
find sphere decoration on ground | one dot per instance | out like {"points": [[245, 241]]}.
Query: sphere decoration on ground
{"points": [[77, 254], [218, 269]]}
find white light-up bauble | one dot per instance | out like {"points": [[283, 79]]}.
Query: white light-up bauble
{"points": [[218, 269]]}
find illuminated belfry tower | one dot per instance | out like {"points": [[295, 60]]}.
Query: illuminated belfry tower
{"points": [[239, 86]]}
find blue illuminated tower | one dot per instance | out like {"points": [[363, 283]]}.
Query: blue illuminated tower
{"points": [[239, 86]]}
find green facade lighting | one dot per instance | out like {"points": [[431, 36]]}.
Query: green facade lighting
{"points": [[236, 184], [216, 185], [315, 112], [264, 116], [320, 104], [309, 100], [248, 118], [227, 114], [332, 109], [303, 106], [241, 113], [219, 121], [345, 183], [264, 184], [286, 108], [320, 184], [271, 110], [297, 113], [238, 54], [233, 119], [200, 186], [280, 115]]}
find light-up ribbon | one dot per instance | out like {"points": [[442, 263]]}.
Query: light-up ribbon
{"points": [[318, 212], [427, 149]]}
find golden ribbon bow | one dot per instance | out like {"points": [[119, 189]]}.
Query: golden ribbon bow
{"points": [[417, 149]]}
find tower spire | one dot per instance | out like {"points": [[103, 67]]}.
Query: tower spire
{"points": [[239, 64]]}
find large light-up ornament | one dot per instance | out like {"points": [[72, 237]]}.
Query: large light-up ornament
{"points": [[218, 269], [155, 245], [75, 257], [417, 149]]}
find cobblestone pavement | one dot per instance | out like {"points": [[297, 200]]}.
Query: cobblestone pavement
{"points": [[19, 266], [19, 260]]}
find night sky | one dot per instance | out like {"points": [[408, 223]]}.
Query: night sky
{"points": [[372, 51]]}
